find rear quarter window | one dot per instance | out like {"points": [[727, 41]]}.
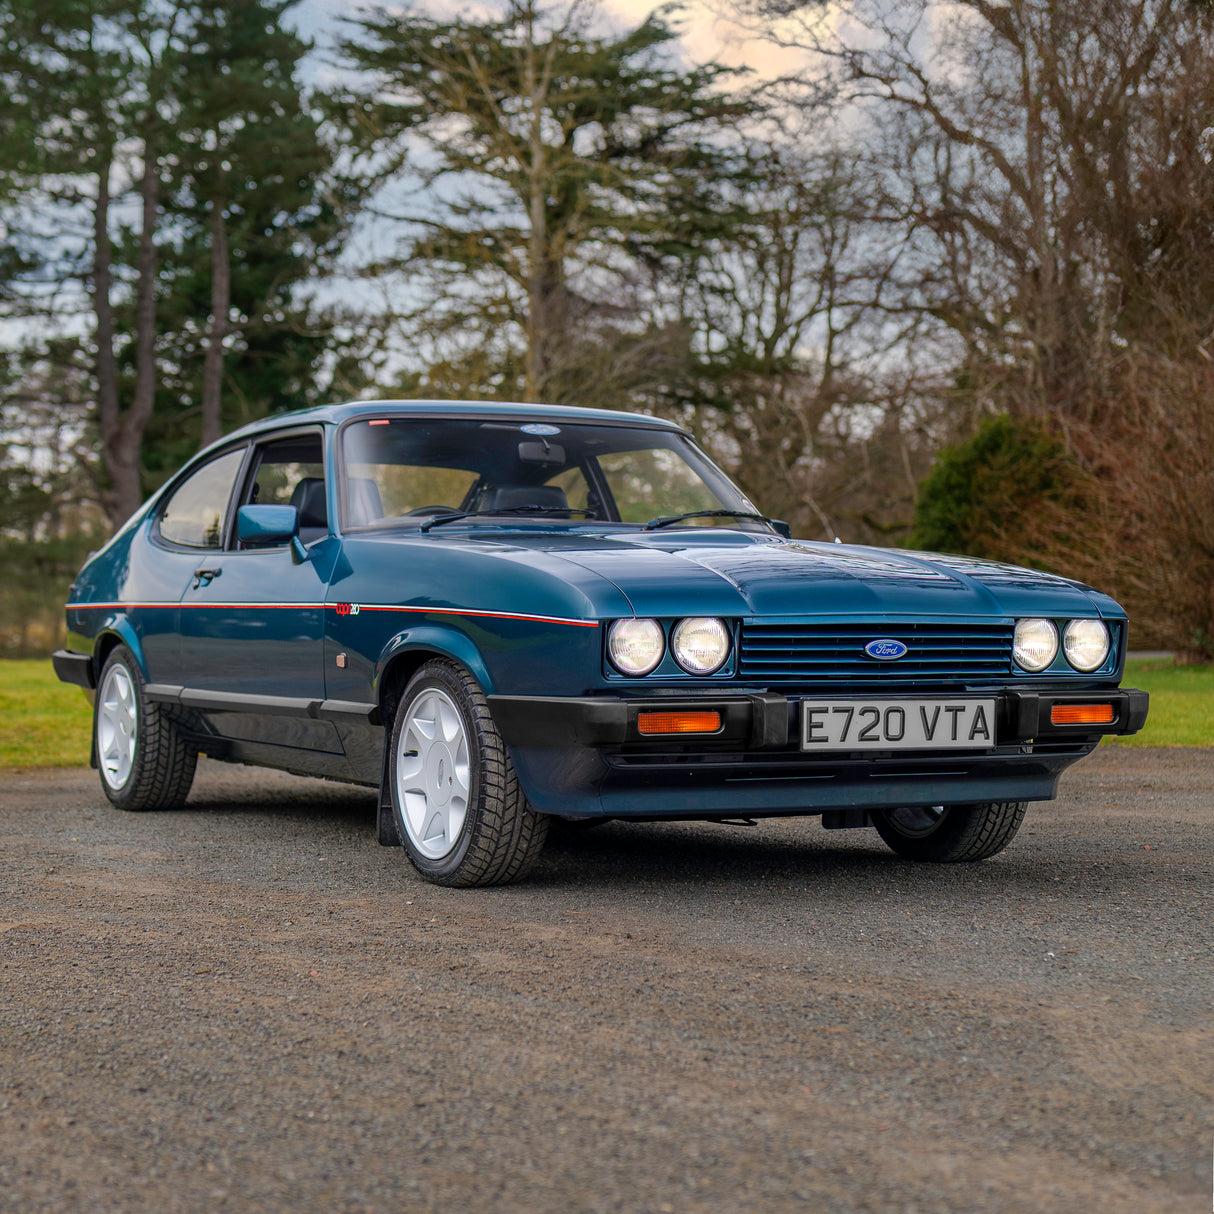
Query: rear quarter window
{"points": [[195, 514]]}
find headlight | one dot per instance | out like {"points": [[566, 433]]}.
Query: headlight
{"points": [[1035, 644], [700, 646], [635, 646], [1086, 644]]}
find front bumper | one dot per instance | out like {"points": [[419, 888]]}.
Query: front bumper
{"points": [[767, 721], [586, 757]]}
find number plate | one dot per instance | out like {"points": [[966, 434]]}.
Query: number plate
{"points": [[897, 724]]}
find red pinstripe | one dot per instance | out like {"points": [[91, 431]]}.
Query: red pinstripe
{"points": [[498, 615]]}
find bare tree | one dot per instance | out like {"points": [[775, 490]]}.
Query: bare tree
{"points": [[1019, 138], [795, 382], [1050, 166]]}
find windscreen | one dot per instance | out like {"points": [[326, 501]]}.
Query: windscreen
{"points": [[403, 470]]}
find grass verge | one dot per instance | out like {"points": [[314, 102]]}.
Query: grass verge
{"points": [[45, 723], [1182, 704]]}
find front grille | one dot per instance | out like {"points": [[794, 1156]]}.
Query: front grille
{"points": [[830, 653]]}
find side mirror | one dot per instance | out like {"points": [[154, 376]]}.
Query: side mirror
{"points": [[267, 524], [782, 528]]}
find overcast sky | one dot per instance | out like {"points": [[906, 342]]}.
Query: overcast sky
{"points": [[709, 35]]}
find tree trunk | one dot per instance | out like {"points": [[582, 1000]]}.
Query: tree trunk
{"points": [[129, 494], [537, 240], [105, 363], [221, 292]]}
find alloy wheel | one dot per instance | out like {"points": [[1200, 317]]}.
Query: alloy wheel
{"points": [[117, 726], [433, 773]]}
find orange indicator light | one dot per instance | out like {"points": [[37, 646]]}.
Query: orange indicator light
{"points": [[1081, 714], [678, 722]]}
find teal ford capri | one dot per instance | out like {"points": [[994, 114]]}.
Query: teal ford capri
{"points": [[501, 614]]}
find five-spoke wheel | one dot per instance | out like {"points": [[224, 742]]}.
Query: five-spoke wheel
{"points": [[459, 811], [144, 761], [433, 773], [117, 725]]}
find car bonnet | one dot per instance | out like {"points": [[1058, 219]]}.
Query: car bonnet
{"points": [[724, 572]]}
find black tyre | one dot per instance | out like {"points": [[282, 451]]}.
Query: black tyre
{"points": [[143, 760], [459, 811], [950, 834]]}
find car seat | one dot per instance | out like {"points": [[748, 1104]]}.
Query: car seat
{"points": [[308, 497]]}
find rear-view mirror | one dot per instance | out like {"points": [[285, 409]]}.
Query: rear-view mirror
{"points": [[541, 453]]}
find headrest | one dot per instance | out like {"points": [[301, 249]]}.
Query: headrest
{"points": [[308, 497], [508, 497], [365, 503]]}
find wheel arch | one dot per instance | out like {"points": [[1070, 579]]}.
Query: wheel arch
{"points": [[117, 632], [409, 651]]}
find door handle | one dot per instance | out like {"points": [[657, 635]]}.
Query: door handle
{"points": [[204, 575]]}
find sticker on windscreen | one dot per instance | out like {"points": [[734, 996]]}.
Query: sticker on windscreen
{"points": [[539, 428]]}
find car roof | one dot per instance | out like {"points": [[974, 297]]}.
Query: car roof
{"points": [[333, 414]]}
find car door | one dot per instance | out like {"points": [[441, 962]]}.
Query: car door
{"points": [[189, 530], [252, 618]]}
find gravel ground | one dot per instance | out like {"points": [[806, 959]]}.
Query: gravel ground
{"points": [[249, 1005]]}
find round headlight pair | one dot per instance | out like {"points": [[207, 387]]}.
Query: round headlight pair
{"points": [[1084, 642], [700, 645]]}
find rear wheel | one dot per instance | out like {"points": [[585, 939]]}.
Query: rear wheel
{"points": [[143, 760], [459, 810], [950, 834]]}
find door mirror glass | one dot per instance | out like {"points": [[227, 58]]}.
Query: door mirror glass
{"points": [[267, 524]]}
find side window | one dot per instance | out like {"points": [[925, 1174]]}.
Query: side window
{"points": [[290, 472], [194, 515]]}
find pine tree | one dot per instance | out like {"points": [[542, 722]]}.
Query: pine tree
{"points": [[87, 86], [189, 116], [573, 163], [256, 210]]}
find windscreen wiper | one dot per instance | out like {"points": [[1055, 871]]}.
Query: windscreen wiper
{"points": [[670, 520], [456, 515], [527, 509]]}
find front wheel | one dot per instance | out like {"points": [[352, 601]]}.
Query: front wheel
{"points": [[143, 760], [459, 810], [950, 834]]}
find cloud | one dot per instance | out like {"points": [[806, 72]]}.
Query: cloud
{"points": [[713, 33]]}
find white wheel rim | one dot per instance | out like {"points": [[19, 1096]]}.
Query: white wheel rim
{"points": [[117, 726], [433, 774]]}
